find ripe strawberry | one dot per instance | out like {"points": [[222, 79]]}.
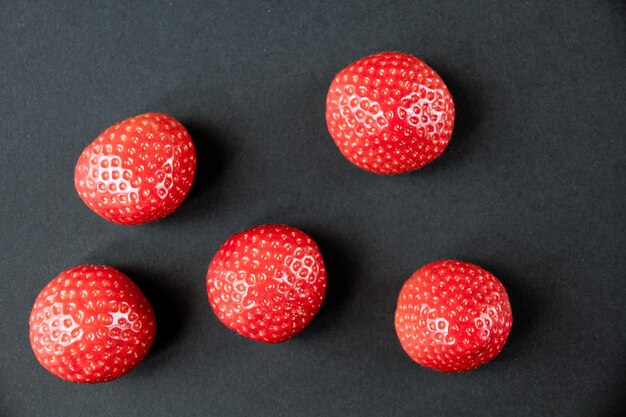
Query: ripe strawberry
{"points": [[138, 170], [453, 316], [91, 324], [389, 113], [267, 283]]}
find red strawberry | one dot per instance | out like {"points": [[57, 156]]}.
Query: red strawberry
{"points": [[389, 113], [453, 316], [267, 283], [91, 324], [138, 170]]}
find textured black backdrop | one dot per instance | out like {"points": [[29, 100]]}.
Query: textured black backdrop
{"points": [[531, 188]]}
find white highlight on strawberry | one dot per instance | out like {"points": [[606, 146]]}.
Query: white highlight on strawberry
{"points": [[423, 107], [437, 326], [163, 187], [124, 320], [61, 326], [117, 178], [357, 109]]}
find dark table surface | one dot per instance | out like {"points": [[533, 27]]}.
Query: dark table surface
{"points": [[530, 188]]}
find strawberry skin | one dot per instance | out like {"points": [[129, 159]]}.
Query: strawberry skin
{"points": [[453, 316], [91, 324], [267, 283], [138, 170], [389, 113]]}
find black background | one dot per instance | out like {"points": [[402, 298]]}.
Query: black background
{"points": [[529, 188]]}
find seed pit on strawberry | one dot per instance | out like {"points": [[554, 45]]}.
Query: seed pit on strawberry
{"points": [[267, 283]]}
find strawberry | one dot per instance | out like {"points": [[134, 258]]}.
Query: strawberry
{"points": [[267, 283], [91, 324], [138, 170], [389, 113], [453, 316]]}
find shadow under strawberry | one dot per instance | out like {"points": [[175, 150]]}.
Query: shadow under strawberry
{"points": [[470, 105], [340, 272], [214, 154], [528, 302], [170, 303], [612, 399]]}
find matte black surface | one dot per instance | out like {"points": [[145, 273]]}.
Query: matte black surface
{"points": [[531, 188]]}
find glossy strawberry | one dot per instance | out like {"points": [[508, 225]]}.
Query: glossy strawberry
{"points": [[267, 283], [91, 324], [138, 170], [453, 316], [389, 113]]}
